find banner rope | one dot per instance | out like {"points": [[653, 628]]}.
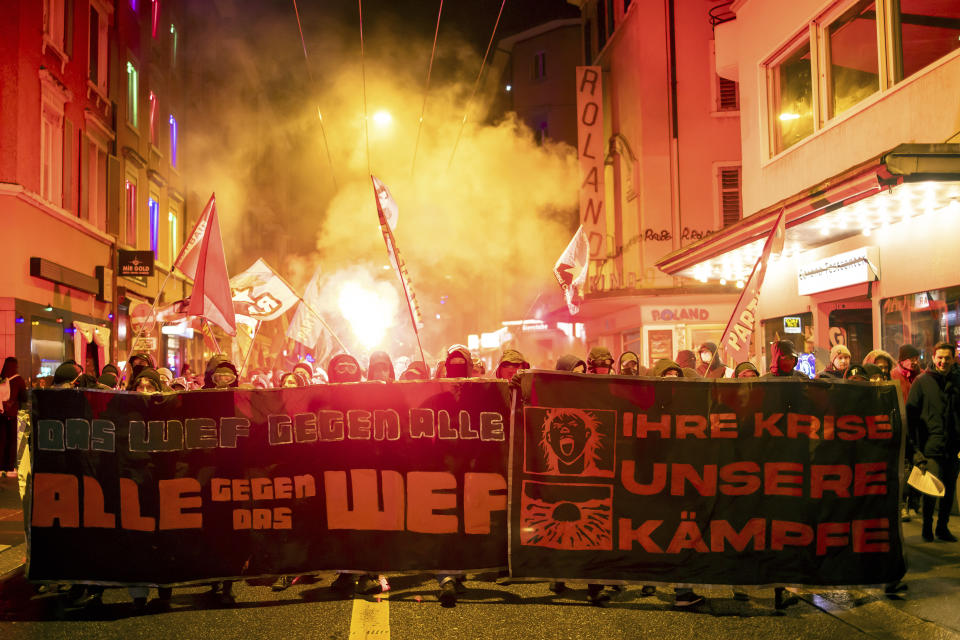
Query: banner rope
{"points": [[426, 89], [476, 85], [363, 76]]}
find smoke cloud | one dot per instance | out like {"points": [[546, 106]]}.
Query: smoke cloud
{"points": [[479, 235]]}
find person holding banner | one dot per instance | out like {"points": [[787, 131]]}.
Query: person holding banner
{"points": [[783, 361], [629, 364], [710, 365]]}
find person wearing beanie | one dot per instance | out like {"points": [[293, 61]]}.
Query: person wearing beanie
{"points": [[68, 372], [570, 362], [666, 368], [907, 368], [459, 363], [839, 362], [687, 359], [344, 367], [110, 368], [710, 365], [108, 380], [629, 364], [305, 370], [746, 370], [856, 372], [783, 361], [511, 361], [874, 373], [148, 381], [166, 375], [600, 361]]}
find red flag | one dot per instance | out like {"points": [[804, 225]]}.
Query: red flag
{"points": [[211, 298], [743, 323], [190, 251]]}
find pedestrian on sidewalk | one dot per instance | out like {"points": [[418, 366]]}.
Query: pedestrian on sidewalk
{"points": [[13, 393]]}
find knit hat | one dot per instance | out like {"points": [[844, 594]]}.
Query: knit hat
{"points": [[839, 350], [512, 356], [906, 352], [152, 376], [108, 379], [744, 366], [66, 372]]}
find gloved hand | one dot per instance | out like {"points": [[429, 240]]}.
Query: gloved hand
{"points": [[920, 461], [515, 382]]}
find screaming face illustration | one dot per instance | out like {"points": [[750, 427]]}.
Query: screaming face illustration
{"points": [[570, 441]]}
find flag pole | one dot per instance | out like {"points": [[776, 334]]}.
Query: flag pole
{"points": [[153, 312], [310, 308], [247, 356], [392, 249], [203, 321]]}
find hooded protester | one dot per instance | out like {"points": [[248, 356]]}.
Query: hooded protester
{"points": [[511, 361], [136, 364], [458, 364], [479, 368], [600, 361], [839, 362], [68, 372], [907, 369], [874, 373], [220, 373], [305, 369], [710, 365], [292, 380], [687, 359], [344, 367], [417, 370], [746, 370], [629, 364], [856, 372], [570, 362], [783, 361], [108, 380], [666, 368], [380, 367], [179, 384], [148, 381], [882, 359]]}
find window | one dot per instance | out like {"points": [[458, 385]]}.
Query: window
{"points": [[154, 118], [798, 329], [133, 91], [130, 210], [54, 23], [174, 243], [173, 141], [728, 190], [790, 84], [153, 211], [852, 57], [922, 319], [97, 67], [539, 69], [52, 104], [154, 16], [928, 31], [728, 95], [93, 183], [174, 37]]}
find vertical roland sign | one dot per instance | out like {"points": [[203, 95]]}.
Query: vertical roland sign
{"points": [[590, 151]]}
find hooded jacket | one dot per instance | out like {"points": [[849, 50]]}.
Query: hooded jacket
{"points": [[335, 377], [629, 356], [744, 366], [932, 413], [417, 370], [781, 348], [713, 369], [663, 365], [599, 354], [569, 362], [381, 357], [215, 363], [687, 359], [135, 370], [453, 368], [151, 375], [512, 356]]}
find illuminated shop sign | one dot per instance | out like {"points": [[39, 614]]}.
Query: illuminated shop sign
{"points": [[791, 324], [841, 270]]}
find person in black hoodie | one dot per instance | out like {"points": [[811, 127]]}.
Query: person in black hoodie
{"points": [[344, 367], [220, 373], [137, 363], [380, 367], [629, 364], [710, 365], [934, 429], [570, 362]]}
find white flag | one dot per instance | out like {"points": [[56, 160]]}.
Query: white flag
{"points": [[571, 270], [260, 293], [305, 327]]}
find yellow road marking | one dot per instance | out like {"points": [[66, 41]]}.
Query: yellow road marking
{"points": [[370, 619]]}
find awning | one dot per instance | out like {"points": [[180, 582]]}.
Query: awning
{"points": [[908, 180]]}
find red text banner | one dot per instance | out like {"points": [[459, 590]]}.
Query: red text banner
{"points": [[711, 482]]}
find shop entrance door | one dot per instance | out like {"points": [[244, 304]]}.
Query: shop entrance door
{"points": [[851, 324], [659, 341]]}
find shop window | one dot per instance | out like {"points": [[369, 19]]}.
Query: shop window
{"points": [[921, 319], [790, 87], [47, 346], [852, 57], [928, 31], [852, 328], [798, 329], [632, 340]]}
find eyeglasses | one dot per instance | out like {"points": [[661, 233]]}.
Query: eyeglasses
{"points": [[345, 367]]}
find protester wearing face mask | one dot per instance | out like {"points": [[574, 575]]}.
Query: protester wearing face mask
{"points": [[710, 365], [600, 361]]}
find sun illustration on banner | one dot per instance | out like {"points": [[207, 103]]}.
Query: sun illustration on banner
{"points": [[567, 524]]}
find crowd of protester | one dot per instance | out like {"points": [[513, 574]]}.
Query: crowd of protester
{"points": [[931, 398]]}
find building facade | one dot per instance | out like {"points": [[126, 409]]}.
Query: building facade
{"points": [[672, 174], [89, 132], [850, 128]]}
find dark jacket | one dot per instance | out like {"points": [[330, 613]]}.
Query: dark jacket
{"points": [[334, 376], [569, 362], [715, 368], [779, 348], [932, 413], [660, 367], [381, 357], [215, 363]]}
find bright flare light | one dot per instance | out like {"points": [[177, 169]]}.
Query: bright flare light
{"points": [[369, 315], [382, 118]]}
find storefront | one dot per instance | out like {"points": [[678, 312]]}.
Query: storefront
{"points": [[869, 259], [48, 335]]}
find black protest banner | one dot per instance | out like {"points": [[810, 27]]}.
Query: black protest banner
{"points": [[169, 488], [707, 482]]}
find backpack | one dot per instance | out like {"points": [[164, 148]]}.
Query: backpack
{"points": [[5, 390]]}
